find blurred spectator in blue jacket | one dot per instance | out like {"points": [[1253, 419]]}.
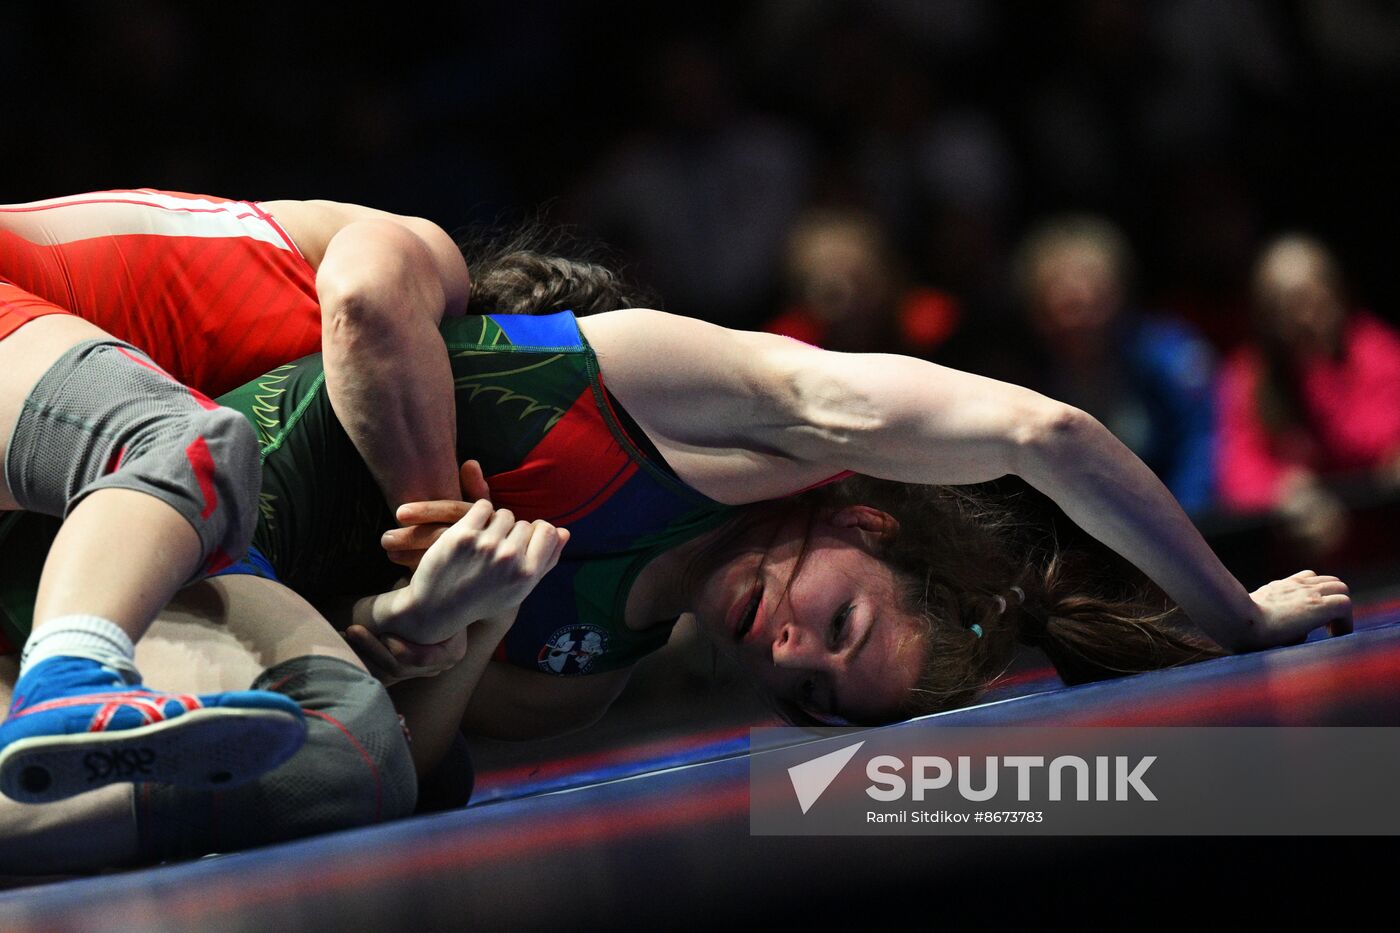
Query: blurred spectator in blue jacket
{"points": [[1147, 378]]}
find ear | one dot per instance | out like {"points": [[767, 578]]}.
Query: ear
{"points": [[882, 526]]}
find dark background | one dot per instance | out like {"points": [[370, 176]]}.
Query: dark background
{"points": [[1201, 127]]}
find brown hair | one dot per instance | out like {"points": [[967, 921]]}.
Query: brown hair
{"points": [[960, 548], [539, 269]]}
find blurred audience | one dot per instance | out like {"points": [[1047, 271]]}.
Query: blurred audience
{"points": [[1147, 378], [691, 137], [1315, 395], [701, 197]]}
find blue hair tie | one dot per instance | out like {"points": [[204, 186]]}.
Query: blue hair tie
{"points": [[976, 629]]}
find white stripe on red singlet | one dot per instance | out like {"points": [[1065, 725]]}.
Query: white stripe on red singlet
{"points": [[144, 212]]}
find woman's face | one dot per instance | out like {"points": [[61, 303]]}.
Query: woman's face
{"points": [[1305, 307], [1076, 296], [826, 636]]}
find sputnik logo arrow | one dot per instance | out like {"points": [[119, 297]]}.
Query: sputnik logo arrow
{"points": [[811, 778]]}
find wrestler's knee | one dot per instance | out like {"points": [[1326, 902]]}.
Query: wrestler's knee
{"points": [[355, 769], [105, 416], [219, 451]]}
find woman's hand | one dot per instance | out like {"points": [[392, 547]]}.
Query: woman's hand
{"points": [[391, 659], [483, 565], [473, 564], [425, 522], [1291, 608]]}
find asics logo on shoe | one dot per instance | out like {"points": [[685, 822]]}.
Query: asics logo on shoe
{"points": [[124, 764]]}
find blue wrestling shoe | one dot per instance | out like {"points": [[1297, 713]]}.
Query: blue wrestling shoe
{"points": [[75, 726]]}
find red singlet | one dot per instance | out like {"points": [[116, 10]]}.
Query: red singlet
{"points": [[214, 290]]}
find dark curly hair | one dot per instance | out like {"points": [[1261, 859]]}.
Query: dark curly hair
{"points": [[957, 555], [959, 552], [539, 269]]}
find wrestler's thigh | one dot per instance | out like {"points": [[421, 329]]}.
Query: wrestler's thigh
{"points": [[222, 633]]}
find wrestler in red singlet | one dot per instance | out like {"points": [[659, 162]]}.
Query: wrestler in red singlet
{"points": [[213, 289]]}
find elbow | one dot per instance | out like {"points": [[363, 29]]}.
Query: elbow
{"points": [[377, 282], [362, 317], [1048, 434], [352, 318]]}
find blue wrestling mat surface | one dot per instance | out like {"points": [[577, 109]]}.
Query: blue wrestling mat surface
{"points": [[664, 836]]}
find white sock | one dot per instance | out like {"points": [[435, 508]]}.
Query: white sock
{"points": [[82, 636]]}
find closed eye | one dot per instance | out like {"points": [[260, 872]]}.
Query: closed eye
{"points": [[840, 626]]}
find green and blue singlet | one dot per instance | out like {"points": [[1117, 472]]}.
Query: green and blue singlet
{"points": [[554, 445]]}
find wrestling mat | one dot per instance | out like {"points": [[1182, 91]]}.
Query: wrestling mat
{"points": [[659, 832]]}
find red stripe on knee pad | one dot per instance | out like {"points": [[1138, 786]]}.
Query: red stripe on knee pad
{"points": [[202, 400], [369, 762], [115, 463], [146, 363], [202, 462]]}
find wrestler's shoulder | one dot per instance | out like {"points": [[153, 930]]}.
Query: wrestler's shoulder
{"points": [[312, 223]]}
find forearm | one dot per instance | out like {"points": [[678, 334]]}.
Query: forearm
{"points": [[387, 371], [1113, 496], [433, 706], [398, 613], [514, 705], [391, 388], [911, 421], [381, 612]]}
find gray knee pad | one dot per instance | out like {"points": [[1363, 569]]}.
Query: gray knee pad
{"points": [[354, 769], [105, 417]]}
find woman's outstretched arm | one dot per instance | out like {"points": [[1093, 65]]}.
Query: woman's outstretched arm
{"points": [[807, 413], [1112, 494]]}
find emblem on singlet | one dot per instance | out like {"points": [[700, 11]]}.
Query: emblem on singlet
{"points": [[571, 649]]}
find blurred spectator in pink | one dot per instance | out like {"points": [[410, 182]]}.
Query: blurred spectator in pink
{"points": [[845, 291], [1316, 395], [1148, 378]]}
